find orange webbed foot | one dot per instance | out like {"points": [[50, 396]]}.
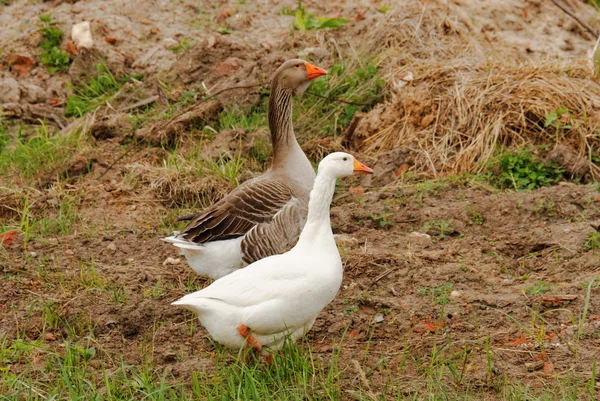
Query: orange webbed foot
{"points": [[250, 340]]}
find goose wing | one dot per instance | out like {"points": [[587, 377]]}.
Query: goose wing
{"points": [[250, 204], [278, 234]]}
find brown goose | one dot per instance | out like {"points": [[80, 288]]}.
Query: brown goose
{"points": [[265, 215]]}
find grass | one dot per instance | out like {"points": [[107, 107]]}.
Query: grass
{"points": [[78, 372], [52, 55], [592, 241], [352, 81], [37, 155], [88, 96]]}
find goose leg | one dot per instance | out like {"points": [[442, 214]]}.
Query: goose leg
{"points": [[250, 340]]}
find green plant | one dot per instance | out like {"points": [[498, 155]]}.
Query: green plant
{"points": [[88, 96], [182, 46], [592, 241], [475, 216], [522, 171], [52, 55], [382, 217], [538, 288], [3, 136], [305, 21], [553, 119], [39, 154], [441, 228], [440, 294]]}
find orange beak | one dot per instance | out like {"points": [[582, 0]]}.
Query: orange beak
{"points": [[360, 168], [314, 71]]}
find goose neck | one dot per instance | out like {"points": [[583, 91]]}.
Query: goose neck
{"points": [[318, 206], [280, 123]]}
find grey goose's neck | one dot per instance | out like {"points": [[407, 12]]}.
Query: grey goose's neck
{"points": [[287, 154]]}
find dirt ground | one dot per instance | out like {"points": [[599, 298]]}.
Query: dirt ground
{"points": [[446, 261]]}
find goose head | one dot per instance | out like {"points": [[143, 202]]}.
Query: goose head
{"points": [[340, 164], [296, 75]]}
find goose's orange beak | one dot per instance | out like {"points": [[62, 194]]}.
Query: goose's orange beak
{"points": [[314, 71], [360, 168]]}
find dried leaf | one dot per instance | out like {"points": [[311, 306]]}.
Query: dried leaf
{"points": [[8, 237], [20, 64], [358, 191], [425, 326], [110, 39], [401, 170], [71, 49], [556, 300]]}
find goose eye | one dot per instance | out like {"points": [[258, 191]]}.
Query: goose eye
{"points": [[297, 65], [345, 158]]}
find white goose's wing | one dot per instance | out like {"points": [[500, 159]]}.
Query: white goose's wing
{"points": [[270, 300]]}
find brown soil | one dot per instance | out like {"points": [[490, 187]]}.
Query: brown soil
{"points": [[389, 236]]}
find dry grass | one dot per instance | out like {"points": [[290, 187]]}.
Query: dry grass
{"points": [[462, 105], [181, 185]]}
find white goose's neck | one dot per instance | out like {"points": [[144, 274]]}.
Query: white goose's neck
{"points": [[318, 223]]}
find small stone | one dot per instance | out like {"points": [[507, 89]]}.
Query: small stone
{"points": [[50, 337], [168, 43], [455, 294], [69, 252], [111, 247], [154, 30], [379, 319], [171, 261], [420, 236], [9, 90], [32, 254], [81, 34]]}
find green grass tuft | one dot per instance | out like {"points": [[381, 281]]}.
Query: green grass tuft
{"points": [[89, 96], [52, 55], [521, 170]]}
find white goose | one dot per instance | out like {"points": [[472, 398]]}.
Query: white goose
{"points": [[263, 216], [281, 294]]}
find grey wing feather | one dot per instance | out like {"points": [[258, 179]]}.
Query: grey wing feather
{"points": [[276, 236]]}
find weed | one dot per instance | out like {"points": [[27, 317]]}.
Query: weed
{"points": [[441, 228], [224, 30], [544, 207], [382, 218], [87, 97], [522, 171], [592, 241], [305, 21], [5, 2], [553, 118], [52, 55], [182, 46], [351, 309], [475, 216], [538, 288], [3, 136], [39, 154], [439, 294]]}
